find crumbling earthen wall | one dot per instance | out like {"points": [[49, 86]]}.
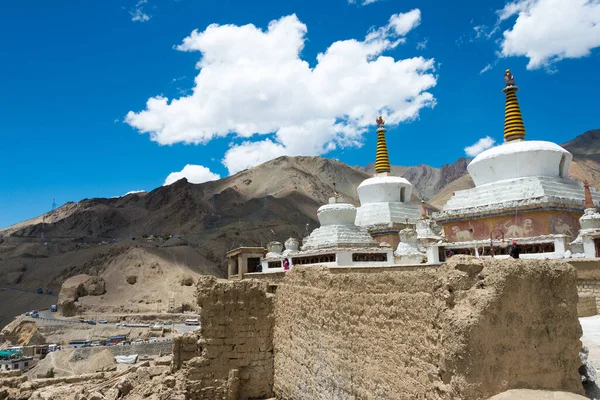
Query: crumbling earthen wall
{"points": [[469, 330], [232, 357]]}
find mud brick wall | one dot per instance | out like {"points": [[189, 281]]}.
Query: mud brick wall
{"points": [[232, 358], [586, 307], [588, 278], [470, 329]]}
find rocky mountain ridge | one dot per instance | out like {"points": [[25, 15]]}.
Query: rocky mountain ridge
{"points": [[272, 201]]}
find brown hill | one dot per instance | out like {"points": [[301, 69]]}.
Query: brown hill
{"points": [[586, 157], [275, 200], [272, 201]]}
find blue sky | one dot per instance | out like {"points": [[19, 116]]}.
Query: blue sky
{"points": [[76, 76]]}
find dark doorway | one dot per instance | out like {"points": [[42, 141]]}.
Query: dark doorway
{"points": [[254, 264]]}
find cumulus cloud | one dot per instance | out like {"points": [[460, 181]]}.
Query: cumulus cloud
{"points": [[405, 22], [481, 145], [193, 173], [137, 13], [546, 31], [253, 82]]}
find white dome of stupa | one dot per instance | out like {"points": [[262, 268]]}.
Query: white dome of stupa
{"points": [[520, 159], [380, 189]]}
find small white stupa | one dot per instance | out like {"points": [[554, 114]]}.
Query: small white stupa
{"points": [[338, 241], [291, 247], [428, 231], [588, 240], [274, 249], [408, 249], [385, 204], [337, 228]]}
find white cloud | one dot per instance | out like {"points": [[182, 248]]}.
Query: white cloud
{"points": [[193, 173], [253, 82], [404, 23], [364, 2], [481, 145], [137, 13], [485, 69], [547, 31], [422, 45]]}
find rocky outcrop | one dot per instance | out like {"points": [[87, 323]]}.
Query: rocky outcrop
{"points": [[74, 288]]}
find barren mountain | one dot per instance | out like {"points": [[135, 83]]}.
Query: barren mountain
{"points": [[272, 201]]}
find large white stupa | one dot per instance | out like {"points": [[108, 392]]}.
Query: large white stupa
{"points": [[522, 191], [385, 206]]}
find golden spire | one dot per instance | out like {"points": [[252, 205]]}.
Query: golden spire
{"points": [[382, 161], [513, 121]]}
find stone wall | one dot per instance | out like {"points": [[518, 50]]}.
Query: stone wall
{"points": [[232, 356], [468, 330], [588, 278], [586, 307], [143, 349], [589, 289]]}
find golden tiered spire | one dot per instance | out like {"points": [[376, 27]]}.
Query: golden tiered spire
{"points": [[382, 161], [513, 121]]}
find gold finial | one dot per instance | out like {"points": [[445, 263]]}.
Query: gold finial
{"points": [[382, 161], [514, 128]]}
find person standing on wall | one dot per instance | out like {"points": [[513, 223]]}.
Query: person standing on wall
{"points": [[514, 250]]}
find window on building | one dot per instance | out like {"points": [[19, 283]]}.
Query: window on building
{"points": [[274, 264], [369, 257], [402, 194], [254, 264], [323, 258]]}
